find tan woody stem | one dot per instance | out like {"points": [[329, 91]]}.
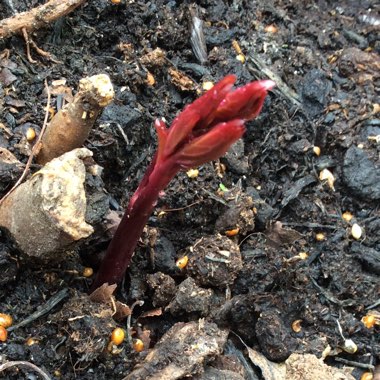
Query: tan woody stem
{"points": [[71, 126], [37, 17]]}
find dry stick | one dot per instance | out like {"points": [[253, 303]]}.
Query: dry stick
{"points": [[37, 17], [42, 310], [35, 148], [29, 42], [355, 364], [22, 363]]}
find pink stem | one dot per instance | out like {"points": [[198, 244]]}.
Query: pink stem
{"points": [[120, 251]]}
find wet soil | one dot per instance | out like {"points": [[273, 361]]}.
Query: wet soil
{"points": [[271, 253]]}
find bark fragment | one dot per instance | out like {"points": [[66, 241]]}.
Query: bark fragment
{"points": [[46, 214], [181, 352]]}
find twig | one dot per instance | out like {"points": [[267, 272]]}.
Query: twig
{"points": [[184, 207], [125, 137], [53, 301], [27, 42], [37, 17], [376, 304], [217, 260], [30, 43], [355, 364], [35, 148], [309, 225], [20, 363]]}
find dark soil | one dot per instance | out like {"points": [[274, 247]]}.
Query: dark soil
{"points": [[325, 58]]}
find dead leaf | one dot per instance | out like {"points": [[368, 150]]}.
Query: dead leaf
{"points": [[14, 102], [103, 294], [7, 157], [152, 313], [122, 311], [58, 87], [278, 236], [6, 77]]}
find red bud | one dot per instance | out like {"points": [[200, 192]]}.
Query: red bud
{"points": [[211, 145], [245, 102], [198, 114]]}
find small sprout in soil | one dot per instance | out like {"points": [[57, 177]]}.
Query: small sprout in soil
{"points": [[138, 345], [5, 320], [117, 336], [223, 188], [182, 262], [192, 173], [326, 175], [320, 236], [3, 334], [349, 346], [317, 150], [87, 272], [356, 231], [296, 325], [347, 216], [202, 132]]}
